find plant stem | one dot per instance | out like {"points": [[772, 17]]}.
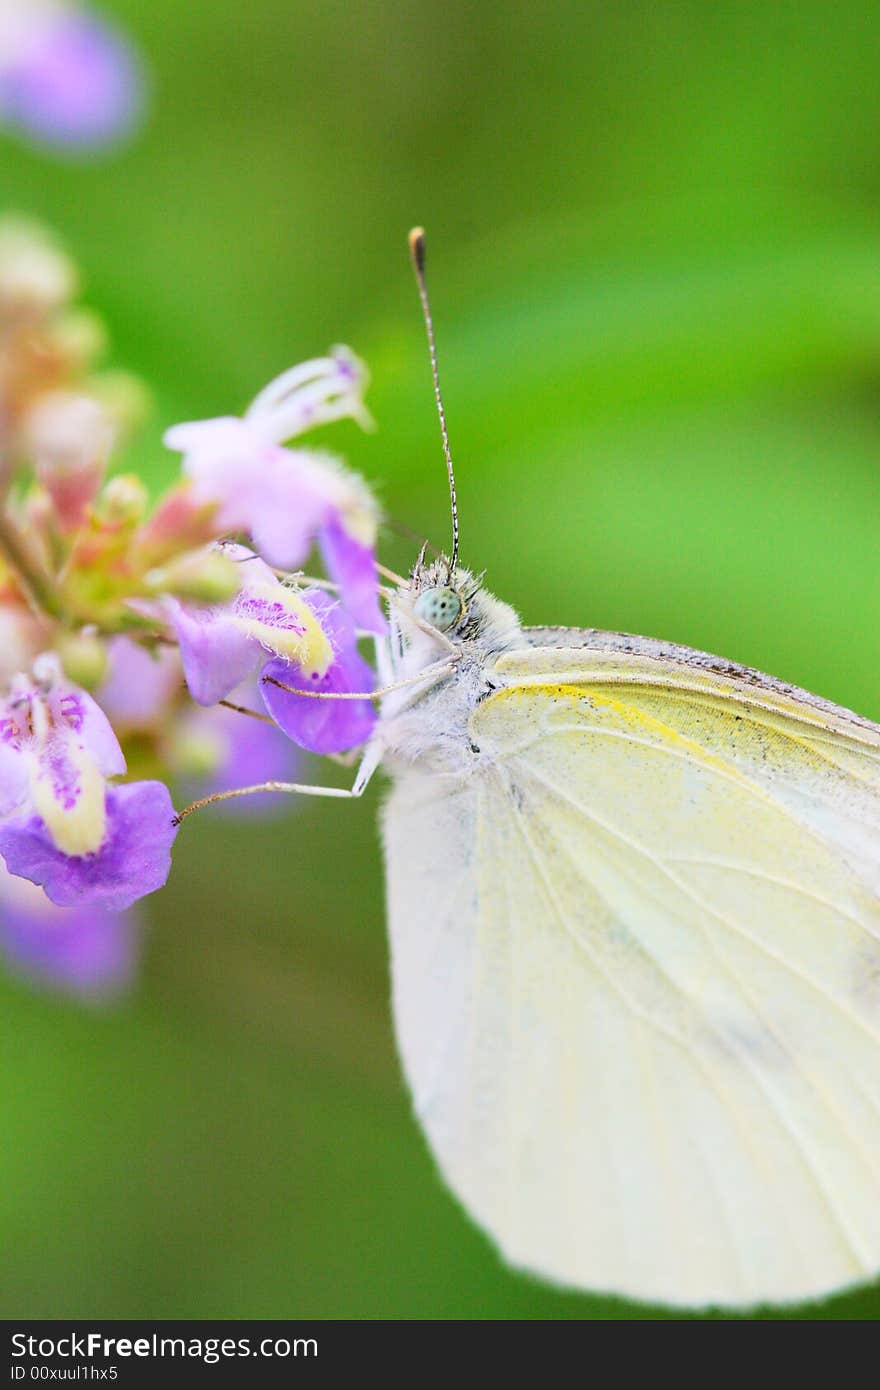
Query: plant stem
{"points": [[34, 585]]}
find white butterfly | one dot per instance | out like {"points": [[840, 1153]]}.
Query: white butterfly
{"points": [[635, 943], [634, 908]]}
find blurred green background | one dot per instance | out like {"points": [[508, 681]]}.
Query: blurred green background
{"points": [[656, 270]]}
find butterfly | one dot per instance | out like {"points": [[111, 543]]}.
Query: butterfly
{"points": [[634, 914]]}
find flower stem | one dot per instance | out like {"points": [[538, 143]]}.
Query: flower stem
{"points": [[34, 585]]}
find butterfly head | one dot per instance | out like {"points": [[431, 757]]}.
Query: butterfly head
{"points": [[453, 603], [439, 596]]}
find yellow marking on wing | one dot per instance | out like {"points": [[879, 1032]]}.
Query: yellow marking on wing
{"points": [[632, 715], [540, 666]]}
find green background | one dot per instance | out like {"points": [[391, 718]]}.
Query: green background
{"points": [[656, 272]]}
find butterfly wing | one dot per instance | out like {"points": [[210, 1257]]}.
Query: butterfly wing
{"points": [[636, 972], [589, 654]]}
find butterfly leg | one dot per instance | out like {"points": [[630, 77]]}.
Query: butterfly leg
{"points": [[370, 761]]}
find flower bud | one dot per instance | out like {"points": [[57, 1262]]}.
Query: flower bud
{"points": [[70, 437], [35, 276], [83, 657], [123, 500], [179, 522], [208, 576]]}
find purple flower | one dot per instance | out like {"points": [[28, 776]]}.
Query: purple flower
{"points": [[84, 951], [66, 77], [286, 499], [324, 726], [64, 827], [221, 645], [313, 642], [56, 749], [133, 859]]}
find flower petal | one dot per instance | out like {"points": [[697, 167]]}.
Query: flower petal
{"points": [[82, 950], [13, 777], [324, 726], [313, 393], [282, 497], [288, 511], [139, 685], [216, 654], [352, 566], [257, 486], [134, 859], [224, 458], [67, 792], [84, 717], [283, 623]]}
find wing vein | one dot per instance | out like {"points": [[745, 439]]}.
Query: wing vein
{"points": [[797, 1138], [699, 901], [679, 1043], [716, 861], [694, 754]]}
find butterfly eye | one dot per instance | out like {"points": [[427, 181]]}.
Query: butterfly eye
{"points": [[439, 607]]}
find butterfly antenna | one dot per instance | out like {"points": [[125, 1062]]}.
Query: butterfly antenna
{"points": [[417, 252]]}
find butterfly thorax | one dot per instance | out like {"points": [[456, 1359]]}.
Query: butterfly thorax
{"points": [[430, 726]]}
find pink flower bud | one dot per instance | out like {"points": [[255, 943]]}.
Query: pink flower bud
{"points": [[181, 521], [70, 437]]}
